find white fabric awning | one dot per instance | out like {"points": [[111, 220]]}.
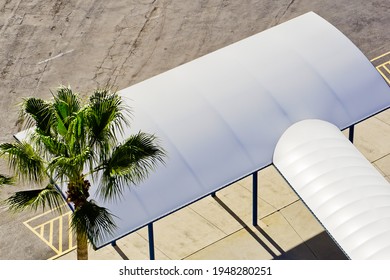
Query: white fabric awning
{"points": [[339, 185]]}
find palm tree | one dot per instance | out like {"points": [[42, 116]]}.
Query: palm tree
{"points": [[70, 144]]}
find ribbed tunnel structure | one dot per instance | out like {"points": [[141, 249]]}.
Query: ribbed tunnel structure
{"points": [[339, 185]]}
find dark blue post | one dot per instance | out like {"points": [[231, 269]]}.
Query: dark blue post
{"points": [[213, 194], [351, 132], [254, 202], [151, 241]]}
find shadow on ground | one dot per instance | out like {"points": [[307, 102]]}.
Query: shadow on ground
{"points": [[320, 247]]}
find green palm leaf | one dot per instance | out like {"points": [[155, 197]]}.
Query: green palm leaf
{"points": [[93, 221], [49, 146], [130, 163], [47, 197], [66, 105], [69, 167], [76, 134], [25, 160], [67, 100], [39, 113], [106, 114]]}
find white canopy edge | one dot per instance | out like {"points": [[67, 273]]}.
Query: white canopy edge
{"points": [[349, 196]]}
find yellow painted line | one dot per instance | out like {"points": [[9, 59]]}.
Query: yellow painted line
{"points": [[62, 253], [60, 234], [383, 64], [384, 75], [70, 235], [48, 229], [45, 213], [42, 238], [387, 69], [51, 233], [383, 68], [378, 57]]}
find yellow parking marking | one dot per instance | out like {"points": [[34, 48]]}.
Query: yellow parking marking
{"points": [[384, 65], [54, 231], [51, 233], [70, 235], [60, 234], [384, 69], [378, 57]]}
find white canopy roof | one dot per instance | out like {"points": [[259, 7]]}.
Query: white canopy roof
{"points": [[339, 185], [220, 116]]}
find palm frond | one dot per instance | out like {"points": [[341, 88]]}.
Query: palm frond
{"points": [[66, 104], [106, 114], [23, 159], [70, 166], [48, 145], [67, 96], [33, 199], [6, 180], [76, 135], [93, 221], [39, 113], [130, 163]]}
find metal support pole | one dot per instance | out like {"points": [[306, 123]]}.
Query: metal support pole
{"points": [[254, 198], [213, 194], [151, 241], [351, 132]]}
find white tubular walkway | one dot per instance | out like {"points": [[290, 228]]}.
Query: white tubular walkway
{"points": [[339, 185]]}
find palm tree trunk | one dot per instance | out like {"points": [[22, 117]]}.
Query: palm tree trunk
{"points": [[82, 247]]}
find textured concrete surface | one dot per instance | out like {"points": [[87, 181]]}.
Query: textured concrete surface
{"points": [[92, 43]]}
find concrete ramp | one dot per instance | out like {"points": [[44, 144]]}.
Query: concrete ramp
{"points": [[349, 197]]}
